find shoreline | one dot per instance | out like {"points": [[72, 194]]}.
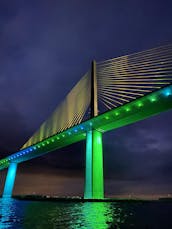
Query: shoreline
{"points": [[80, 199]]}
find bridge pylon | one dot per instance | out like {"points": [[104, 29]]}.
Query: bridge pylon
{"points": [[10, 179], [94, 181]]}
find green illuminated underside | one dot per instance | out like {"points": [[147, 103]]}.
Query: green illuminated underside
{"points": [[132, 112]]}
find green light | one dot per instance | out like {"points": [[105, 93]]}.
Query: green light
{"points": [[127, 109], [140, 104], [94, 185], [43, 144], [52, 140], [63, 135], [98, 184], [116, 113], [57, 138], [48, 142], [107, 117], [153, 99], [88, 167]]}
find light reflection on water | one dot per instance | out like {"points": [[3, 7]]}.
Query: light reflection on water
{"points": [[8, 216], [74, 215], [16, 214], [27, 214]]}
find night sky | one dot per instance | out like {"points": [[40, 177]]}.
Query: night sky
{"points": [[46, 46]]}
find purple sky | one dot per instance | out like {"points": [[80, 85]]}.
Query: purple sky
{"points": [[45, 48]]}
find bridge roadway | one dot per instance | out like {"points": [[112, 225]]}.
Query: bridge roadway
{"points": [[139, 109]]}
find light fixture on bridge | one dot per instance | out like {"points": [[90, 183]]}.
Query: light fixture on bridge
{"points": [[127, 109], [48, 142], [106, 117], [153, 99], [139, 104], [69, 133], [82, 128], [167, 92], [43, 144], [52, 140], [75, 130], [116, 113], [34, 147]]}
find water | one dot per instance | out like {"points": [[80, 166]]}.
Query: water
{"points": [[16, 214]]}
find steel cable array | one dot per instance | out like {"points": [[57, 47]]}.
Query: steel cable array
{"points": [[69, 113], [123, 79]]}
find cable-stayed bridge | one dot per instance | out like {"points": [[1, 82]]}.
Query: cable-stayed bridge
{"points": [[112, 94]]}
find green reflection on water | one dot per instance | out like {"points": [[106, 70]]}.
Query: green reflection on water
{"points": [[88, 215], [96, 215]]}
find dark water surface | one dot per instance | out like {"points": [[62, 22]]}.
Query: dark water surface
{"points": [[17, 214]]}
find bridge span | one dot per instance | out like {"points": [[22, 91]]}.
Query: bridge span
{"points": [[127, 89]]}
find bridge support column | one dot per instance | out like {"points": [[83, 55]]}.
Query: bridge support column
{"points": [[94, 182], [10, 179]]}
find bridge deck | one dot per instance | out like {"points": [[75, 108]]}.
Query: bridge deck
{"points": [[136, 110]]}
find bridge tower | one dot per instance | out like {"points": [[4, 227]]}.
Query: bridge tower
{"points": [[94, 182]]}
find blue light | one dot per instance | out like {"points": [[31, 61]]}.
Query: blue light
{"points": [[167, 92], [82, 128], [34, 147], [31, 150], [75, 130], [9, 183], [69, 133]]}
